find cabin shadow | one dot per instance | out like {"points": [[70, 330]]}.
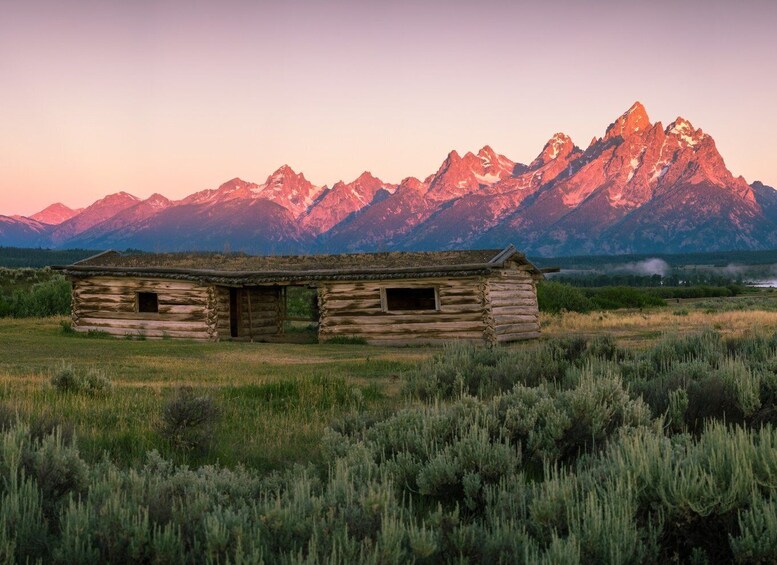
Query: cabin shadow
{"points": [[270, 313]]}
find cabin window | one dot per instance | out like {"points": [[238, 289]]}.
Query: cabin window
{"points": [[148, 302], [411, 298]]}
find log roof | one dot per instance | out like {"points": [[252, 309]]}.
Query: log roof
{"points": [[238, 268]]}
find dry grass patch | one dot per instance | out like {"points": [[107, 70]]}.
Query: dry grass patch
{"points": [[647, 325]]}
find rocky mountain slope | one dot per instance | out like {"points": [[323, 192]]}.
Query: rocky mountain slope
{"points": [[641, 187]]}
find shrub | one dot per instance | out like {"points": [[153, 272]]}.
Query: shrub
{"points": [[42, 299], [93, 382], [484, 372], [610, 298], [57, 469], [556, 297], [188, 420]]}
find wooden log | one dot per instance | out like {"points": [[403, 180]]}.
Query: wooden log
{"points": [[516, 328], [165, 309], [103, 297], [510, 309], [515, 319], [394, 319], [464, 309], [406, 329], [147, 316], [210, 313], [250, 318], [121, 332], [351, 304], [161, 284], [404, 341], [143, 324], [93, 307], [487, 315], [508, 286], [502, 338], [512, 294]]}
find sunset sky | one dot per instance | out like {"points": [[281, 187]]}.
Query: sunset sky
{"points": [[175, 97]]}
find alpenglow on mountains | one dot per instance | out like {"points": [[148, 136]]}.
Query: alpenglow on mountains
{"points": [[641, 188]]}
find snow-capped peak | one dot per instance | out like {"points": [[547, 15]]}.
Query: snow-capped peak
{"points": [[685, 132], [559, 145]]}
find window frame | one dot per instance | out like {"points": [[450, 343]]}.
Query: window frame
{"points": [[384, 298], [138, 308]]}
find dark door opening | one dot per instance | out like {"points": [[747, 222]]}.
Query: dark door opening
{"points": [[234, 312]]}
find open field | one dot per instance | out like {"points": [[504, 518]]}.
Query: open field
{"points": [[276, 398], [620, 437], [730, 316]]}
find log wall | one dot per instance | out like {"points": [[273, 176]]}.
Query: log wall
{"points": [[260, 312], [354, 309], [186, 309], [266, 308], [500, 307], [512, 295]]}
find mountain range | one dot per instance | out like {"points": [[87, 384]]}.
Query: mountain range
{"points": [[640, 188]]}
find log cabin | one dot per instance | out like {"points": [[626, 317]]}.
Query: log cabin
{"points": [[397, 298]]}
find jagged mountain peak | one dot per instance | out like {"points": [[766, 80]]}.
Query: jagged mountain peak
{"points": [[411, 184], [632, 121], [366, 176], [560, 145], [291, 190], [487, 151], [640, 187], [285, 172], [684, 131], [459, 175]]}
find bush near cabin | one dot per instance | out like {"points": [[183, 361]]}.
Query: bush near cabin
{"points": [[33, 293]]}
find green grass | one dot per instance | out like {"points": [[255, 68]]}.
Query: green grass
{"points": [[276, 399]]}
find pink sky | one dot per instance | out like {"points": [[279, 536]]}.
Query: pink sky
{"points": [[174, 97]]}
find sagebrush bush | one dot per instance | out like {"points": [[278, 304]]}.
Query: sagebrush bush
{"points": [[477, 371], [92, 381], [709, 377], [645, 498], [188, 420]]}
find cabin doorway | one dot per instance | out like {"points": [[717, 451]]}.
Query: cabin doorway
{"points": [[274, 313], [299, 314], [234, 312]]}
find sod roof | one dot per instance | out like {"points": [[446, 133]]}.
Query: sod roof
{"points": [[252, 268]]}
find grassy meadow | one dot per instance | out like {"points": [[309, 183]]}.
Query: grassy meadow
{"points": [[636, 430], [276, 399]]}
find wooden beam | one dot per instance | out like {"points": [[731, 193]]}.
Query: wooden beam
{"points": [[250, 317]]}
